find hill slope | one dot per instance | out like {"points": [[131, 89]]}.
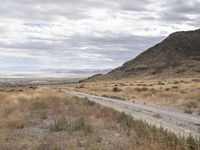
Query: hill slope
{"points": [[177, 56]]}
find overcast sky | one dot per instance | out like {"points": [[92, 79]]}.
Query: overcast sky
{"points": [[87, 33]]}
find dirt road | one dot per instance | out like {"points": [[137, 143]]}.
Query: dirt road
{"points": [[171, 119]]}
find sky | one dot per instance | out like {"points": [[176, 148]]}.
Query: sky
{"points": [[82, 34]]}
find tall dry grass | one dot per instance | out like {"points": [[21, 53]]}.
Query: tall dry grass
{"points": [[172, 92], [47, 119]]}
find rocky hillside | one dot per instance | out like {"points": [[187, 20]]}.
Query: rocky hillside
{"points": [[177, 56]]}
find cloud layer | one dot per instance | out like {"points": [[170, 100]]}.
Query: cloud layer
{"points": [[87, 33]]}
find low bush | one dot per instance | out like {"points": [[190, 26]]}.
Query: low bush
{"points": [[160, 83], [192, 143], [174, 87], [188, 111], [167, 89], [88, 102], [175, 82], [116, 89], [143, 89], [191, 104]]}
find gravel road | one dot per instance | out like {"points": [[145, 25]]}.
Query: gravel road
{"points": [[168, 118]]}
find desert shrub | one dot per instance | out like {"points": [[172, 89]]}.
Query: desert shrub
{"points": [[32, 87], [143, 89], [195, 80], [157, 116], [124, 119], [81, 124], [19, 90], [183, 92], [88, 102], [121, 117], [191, 104], [175, 82], [104, 95], [170, 139], [122, 84], [137, 89], [141, 84], [66, 102], [60, 125], [167, 89], [116, 89], [16, 123], [82, 86], [117, 97], [192, 143], [174, 87], [160, 83], [152, 90], [188, 111]]}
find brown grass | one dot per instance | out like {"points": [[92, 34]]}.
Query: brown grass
{"points": [[47, 119], [178, 93]]}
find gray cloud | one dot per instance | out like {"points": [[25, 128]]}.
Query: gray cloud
{"points": [[180, 11], [90, 50], [87, 33], [131, 5], [185, 7]]}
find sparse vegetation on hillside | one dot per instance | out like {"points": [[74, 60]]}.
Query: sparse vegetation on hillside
{"points": [[175, 57]]}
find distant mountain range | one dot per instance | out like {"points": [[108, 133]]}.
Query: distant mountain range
{"points": [[77, 71], [53, 70], [177, 56]]}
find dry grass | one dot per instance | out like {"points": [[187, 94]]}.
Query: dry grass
{"points": [[180, 93], [47, 119]]}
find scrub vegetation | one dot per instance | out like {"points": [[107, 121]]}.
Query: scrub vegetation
{"points": [[44, 118]]}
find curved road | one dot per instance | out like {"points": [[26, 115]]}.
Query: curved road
{"points": [[171, 119]]}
